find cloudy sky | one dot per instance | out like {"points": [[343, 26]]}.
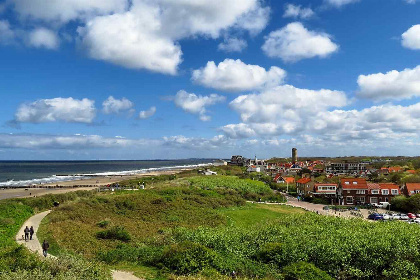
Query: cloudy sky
{"points": [[143, 79]]}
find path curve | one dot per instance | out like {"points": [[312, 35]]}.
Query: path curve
{"points": [[35, 246]]}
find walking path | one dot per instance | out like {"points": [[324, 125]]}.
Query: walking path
{"points": [[35, 246]]}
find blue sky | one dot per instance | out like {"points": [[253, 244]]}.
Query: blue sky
{"points": [[116, 79]]}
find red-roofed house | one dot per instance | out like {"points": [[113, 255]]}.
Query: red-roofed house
{"points": [[382, 192], [393, 169], [283, 179], [411, 171], [353, 191], [411, 189], [305, 186]]}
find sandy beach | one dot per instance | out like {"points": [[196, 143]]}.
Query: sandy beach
{"points": [[76, 185]]}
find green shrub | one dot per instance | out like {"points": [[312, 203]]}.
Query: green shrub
{"points": [[188, 257], [115, 233], [103, 224], [304, 271]]}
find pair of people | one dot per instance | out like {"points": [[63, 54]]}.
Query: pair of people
{"points": [[29, 232]]}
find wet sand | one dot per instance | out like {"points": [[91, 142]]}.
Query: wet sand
{"points": [[76, 185]]}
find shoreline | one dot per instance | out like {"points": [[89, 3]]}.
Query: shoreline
{"points": [[76, 185]]}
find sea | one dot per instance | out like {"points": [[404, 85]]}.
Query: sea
{"points": [[26, 173]]}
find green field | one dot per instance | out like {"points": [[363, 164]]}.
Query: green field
{"points": [[197, 227]]}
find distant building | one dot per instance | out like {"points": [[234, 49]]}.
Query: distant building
{"points": [[279, 179], [305, 186], [219, 162], [326, 191], [346, 168], [238, 161], [382, 192]]}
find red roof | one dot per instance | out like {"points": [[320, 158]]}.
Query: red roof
{"points": [[411, 171], [373, 186], [289, 179], [412, 187], [353, 183], [389, 186], [303, 180], [394, 169]]}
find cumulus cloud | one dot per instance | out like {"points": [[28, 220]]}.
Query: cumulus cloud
{"points": [[149, 32], [296, 11], [411, 38], [196, 142], [196, 104], [391, 85], [280, 110], [234, 75], [66, 10], [116, 106], [7, 34], [57, 109], [294, 42], [232, 45], [339, 3], [148, 113], [43, 38]]}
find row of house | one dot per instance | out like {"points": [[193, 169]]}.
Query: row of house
{"points": [[355, 191]]}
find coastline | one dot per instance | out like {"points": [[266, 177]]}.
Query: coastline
{"points": [[76, 185]]}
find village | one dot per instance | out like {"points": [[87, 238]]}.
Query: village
{"points": [[332, 182]]}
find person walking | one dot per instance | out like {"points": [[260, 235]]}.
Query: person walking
{"points": [[31, 232], [45, 247], [26, 231]]}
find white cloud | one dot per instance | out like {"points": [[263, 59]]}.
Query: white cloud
{"points": [[296, 11], [391, 85], [411, 38], [196, 104], [196, 143], [411, 1], [149, 32], [57, 109], [340, 3], [280, 110], [116, 106], [234, 75], [66, 10], [232, 45], [294, 42], [148, 113], [7, 35], [43, 38]]}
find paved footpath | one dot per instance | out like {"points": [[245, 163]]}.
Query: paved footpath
{"points": [[35, 246]]}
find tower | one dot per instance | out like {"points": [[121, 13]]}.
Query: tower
{"points": [[294, 155]]}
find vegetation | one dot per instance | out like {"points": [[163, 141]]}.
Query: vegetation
{"points": [[406, 204], [16, 262]]}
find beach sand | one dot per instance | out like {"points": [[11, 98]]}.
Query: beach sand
{"points": [[76, 185]]}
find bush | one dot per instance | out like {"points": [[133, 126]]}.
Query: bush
{"points": [[116, 233], [304, 271], [188, 257], [103, 224]]}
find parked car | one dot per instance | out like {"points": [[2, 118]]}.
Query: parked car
{"points": [[411, 216], [417, 221], [386, 217], [375, 205], [404, 217], [418, 215], [375, 217], [395, 217]]}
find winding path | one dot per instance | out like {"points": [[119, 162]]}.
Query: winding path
{"points": [[35, 246]]}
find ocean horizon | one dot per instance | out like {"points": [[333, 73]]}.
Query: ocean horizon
{"points": [[30, 172]]}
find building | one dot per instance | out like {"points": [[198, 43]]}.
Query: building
{"points": [[328, 191], [342, 168], [382, 192], [238, 161], [352, 191], [283, 179], [305, 186], [410, 189], [219, 162], [294, 155]]}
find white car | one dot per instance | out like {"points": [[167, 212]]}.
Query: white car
{"points": [[395, 217], [383, 205], [386, 217], [416, 221], [404, 217]]}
